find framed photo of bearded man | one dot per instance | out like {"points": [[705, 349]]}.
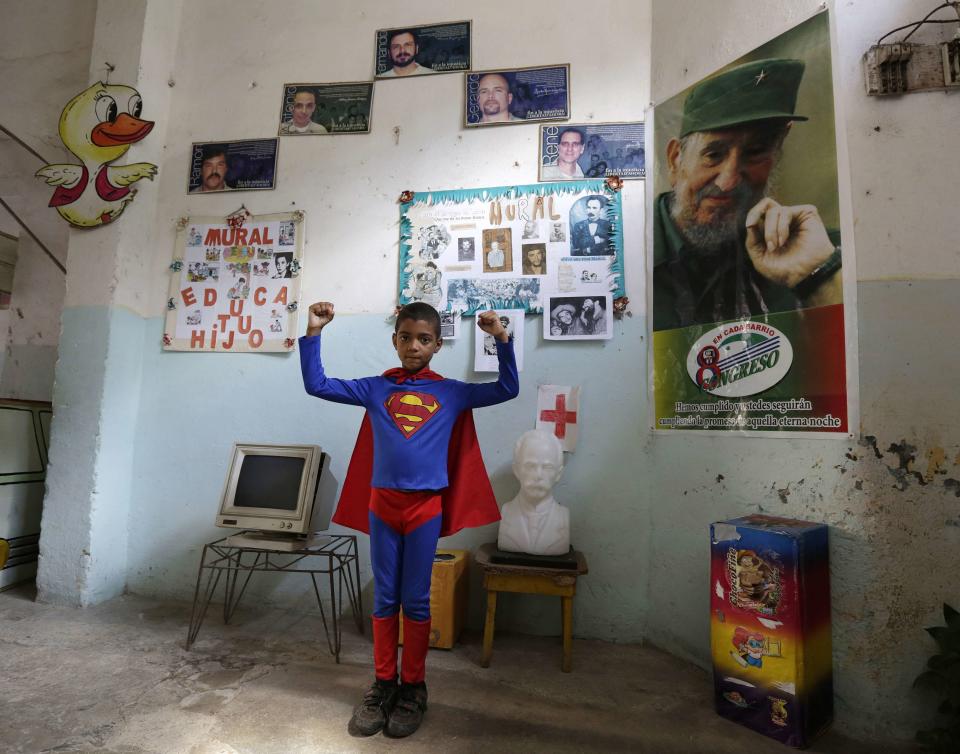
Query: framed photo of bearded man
{"points": [[407, 51], [511, 96]]}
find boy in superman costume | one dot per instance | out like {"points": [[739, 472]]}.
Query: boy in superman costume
{"points": [[416, 474]]}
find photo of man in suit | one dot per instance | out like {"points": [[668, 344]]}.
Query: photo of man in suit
{"points": [[591, 237]]}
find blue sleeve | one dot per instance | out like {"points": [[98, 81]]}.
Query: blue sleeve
{"points": [[505, 388], [316, 382]]}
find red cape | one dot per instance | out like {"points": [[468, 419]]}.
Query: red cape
{"points": [[467, 502]]}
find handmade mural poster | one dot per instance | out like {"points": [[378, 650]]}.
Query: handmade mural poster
{"points": [[501, 248], [326, 109], [575, 151], [578, 318], [558, 412], [518, 95], [235, 287], [232, 166], [419, 50], [747, 307], [485, 347]]}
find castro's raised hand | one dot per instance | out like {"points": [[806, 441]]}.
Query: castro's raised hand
{"points": [[786, 244]]}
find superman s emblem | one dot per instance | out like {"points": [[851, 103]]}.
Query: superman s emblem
{"points": [[410, 410]]}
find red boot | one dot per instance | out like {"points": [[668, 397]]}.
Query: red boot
{"points": [[386, 633], [416, 642]]}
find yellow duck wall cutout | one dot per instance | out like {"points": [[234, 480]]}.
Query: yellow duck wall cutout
{"points": [[98, 126]]}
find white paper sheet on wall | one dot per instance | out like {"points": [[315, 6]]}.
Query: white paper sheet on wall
{"points": [[558, 412], [485, 350]]}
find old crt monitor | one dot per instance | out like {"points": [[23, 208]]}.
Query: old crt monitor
{"points": [[278, 490]]}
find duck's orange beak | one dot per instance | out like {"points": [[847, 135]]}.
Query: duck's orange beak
{"points": [[124, 130]]}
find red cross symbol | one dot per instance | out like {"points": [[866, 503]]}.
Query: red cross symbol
{"points": [[560, 416]]}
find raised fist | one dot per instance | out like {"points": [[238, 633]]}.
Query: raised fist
{"points": [[320, 315]]}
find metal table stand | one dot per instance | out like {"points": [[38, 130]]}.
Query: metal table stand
{"points": [[221, 559]]}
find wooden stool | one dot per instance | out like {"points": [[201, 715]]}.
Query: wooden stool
{"points": [[561, 582]]}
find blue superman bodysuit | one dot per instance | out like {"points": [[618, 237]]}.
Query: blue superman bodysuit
{"points": [[421, 431]]}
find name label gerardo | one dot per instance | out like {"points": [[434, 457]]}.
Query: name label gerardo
{"points": [[739, 358]]}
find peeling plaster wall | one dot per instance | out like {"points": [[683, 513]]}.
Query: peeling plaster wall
{"points": [[891, 497], [45, 52], [32, 326]]}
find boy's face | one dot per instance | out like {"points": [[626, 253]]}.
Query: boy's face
{"points": [[416, 343]]}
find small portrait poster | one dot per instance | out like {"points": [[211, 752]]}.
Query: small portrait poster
{"points": [[575, 151], [232, 166], [578, 318], [534, 258], [235, 288], [450, 325], [751, 330], [591, 230], [499, 248], [485, 345], [520, 95], [420, 50], [466, 249], [326, 109]]}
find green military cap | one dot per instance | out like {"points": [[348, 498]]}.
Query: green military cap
{"points": [[759, 90]]}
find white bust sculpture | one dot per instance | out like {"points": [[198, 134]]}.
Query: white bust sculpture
{"points": [[533, 522]]}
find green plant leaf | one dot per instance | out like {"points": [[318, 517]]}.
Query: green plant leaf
{"points": [[938, 740], [928, 737], [951, 616], [931, 679], [943, 661], [948, 640]]}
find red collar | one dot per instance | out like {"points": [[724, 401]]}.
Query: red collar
{"points": [[400, 375]]}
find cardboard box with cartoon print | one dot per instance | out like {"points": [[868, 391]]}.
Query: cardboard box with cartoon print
{"points": [[770, 626]]}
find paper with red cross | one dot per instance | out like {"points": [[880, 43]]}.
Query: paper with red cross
{"points": [[558, 411]]}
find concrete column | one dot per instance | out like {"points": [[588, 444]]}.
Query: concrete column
{"points": [[96, 395]]}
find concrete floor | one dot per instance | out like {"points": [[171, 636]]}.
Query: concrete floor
{"points": [[116, 679]]}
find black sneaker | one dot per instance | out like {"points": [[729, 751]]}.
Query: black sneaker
{"points": [[371, 714], [408, 711]]}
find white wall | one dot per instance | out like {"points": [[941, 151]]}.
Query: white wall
{"points": [[228, 75]]}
